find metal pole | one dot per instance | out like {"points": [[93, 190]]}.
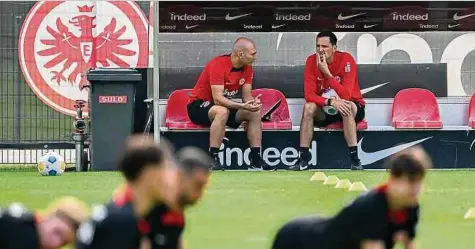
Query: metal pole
{"points": [[156, 74]]}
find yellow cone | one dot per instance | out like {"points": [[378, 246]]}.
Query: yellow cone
{"points": [[343, 183], [318, 176], [470, 215], [357, 186], [331, 180]]}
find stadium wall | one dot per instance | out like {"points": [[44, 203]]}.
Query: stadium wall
{"points": [[442, 62], [282, 55]]}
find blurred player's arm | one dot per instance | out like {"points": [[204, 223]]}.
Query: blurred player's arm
{"points": [[180, 244], [411, 227], [372, 244]]}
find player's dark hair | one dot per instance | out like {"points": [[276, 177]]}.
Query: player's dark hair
{"points": [[191, 158], [330, 35], [140, 152], [411, 163]]}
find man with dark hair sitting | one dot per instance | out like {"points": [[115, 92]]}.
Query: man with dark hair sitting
{"points": [[332, 94]]}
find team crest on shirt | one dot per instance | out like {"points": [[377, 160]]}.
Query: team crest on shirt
{"points": [[337, 78], [242, 81]]}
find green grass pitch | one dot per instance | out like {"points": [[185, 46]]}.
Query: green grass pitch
{"points": [[245, 209]]}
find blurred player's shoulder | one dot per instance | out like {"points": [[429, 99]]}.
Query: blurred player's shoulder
{"points": [[108, 222], [167, 215], [368, 202], [16, 211]]}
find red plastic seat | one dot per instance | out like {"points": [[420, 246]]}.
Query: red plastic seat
{"points": [[416, 108], [471, 112], [362, 125], [280, 118], [176, 115]]}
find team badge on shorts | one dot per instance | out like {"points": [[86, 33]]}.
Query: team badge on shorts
{"points": [[205, 104], [242, 81]]}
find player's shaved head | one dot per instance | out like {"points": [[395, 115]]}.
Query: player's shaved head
{"points": [[242, 44], [412, 163], [244, 52]]}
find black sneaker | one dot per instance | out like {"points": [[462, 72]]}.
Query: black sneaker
{"points": [[260, 164], [356, 165], [216, 165], [300, 165]]}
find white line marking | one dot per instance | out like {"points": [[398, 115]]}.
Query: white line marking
{"points": [[278, 40]]}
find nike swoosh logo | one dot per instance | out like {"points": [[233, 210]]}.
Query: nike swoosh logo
{"points": [[453, 26], [457, 17], [277, 26], [369, 89], [371, 157], [342, 18], [190, 27], [230, 18], [369, 26]]}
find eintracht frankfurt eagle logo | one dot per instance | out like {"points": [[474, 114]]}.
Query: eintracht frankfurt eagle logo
{"points": [[61, 40]]}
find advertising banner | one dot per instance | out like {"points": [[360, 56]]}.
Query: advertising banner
{"points": [[448, 149], [288, 16]]}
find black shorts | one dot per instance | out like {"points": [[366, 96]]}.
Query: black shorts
{"points": [[301, 233], [198, 114], [330, 119]]}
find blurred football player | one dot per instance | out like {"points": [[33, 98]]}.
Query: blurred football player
{"points": [[166, 226], [377, 220], [147, 211], [150, 179], [53, 228]]}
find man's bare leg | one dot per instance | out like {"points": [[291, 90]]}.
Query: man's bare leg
{"points": [[349, 130], [306, 124], [218, 116], [254, 135], [254, 130], [310, 111]]}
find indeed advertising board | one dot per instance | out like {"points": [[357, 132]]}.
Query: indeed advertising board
{"points": [[448, 149]]}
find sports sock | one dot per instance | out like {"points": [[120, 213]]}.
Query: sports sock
{"points": [[255, 153], [354, 154], [213, 152], [304, 153]]}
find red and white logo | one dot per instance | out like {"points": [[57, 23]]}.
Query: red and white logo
{"points": [[60, 40]]}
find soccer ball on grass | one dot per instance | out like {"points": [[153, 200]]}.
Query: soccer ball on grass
{"points": [[51, 164]]}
